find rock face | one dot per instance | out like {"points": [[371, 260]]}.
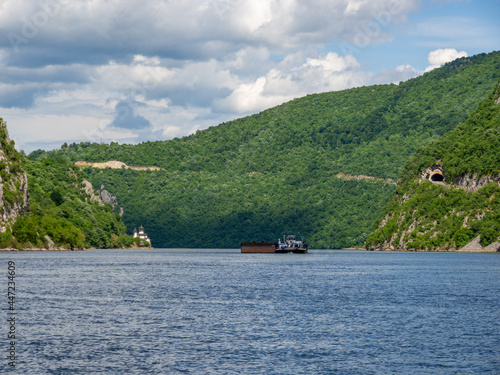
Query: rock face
{"points": [[475, 246], [473, 182], [495, 246], [14, 198], [89, 190], [107, 197]]}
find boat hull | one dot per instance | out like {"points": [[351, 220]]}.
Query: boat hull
{"points": [[292, 250], [288, 246]]}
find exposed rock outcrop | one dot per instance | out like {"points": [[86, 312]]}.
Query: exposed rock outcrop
{"points": [[473, 182], [495, 247], [89, 189], [475, 246], [102, 197], [14, 197], [107, 197]]}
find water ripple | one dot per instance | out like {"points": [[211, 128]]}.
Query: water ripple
{"points": [[221, 312]]}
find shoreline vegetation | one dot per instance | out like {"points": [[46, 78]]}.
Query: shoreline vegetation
{"points": [[448, 195], [433, 251], [324, 165], [485, 250], [53, 206], [81, 249]]}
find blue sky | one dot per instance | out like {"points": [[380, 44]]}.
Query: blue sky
{"points": [[135, 70]]}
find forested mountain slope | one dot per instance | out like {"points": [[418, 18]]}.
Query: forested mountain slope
{"points": [[50, 205], [66, 208], [449, 193], [275, 172]]}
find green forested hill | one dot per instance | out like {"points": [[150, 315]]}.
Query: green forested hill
{"points": [[449, 214], [62, 209], [276, 172], [62, 212]]}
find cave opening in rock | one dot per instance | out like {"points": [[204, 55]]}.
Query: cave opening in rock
{"points": [[437, 177]]}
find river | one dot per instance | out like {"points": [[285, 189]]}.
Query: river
{"points": [[177, 311]]}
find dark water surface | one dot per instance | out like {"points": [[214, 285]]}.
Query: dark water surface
{"points": [[222, 312]]}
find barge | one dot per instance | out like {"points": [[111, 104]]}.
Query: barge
{"points": [[289, 244], [258, 247]]}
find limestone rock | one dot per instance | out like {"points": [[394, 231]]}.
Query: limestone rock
{"points": [[474, 245], [107, 197], [89, 190], [473, 183], [14, 197], [493, 247], [50, 243]]}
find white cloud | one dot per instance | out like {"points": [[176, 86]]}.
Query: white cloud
{"points": [[97, 30], [249, 97], [187, 64], [286, 81], [398, 74], [253, 15], [441, 56]]}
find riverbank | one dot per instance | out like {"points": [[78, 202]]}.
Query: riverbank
{"points": [[42, 249], [66, 249]]}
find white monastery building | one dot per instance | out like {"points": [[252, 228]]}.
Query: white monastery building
{"points": [[143, 236]]}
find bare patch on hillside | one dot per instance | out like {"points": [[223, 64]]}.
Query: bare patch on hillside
{"points": [[115, 164], [359, 177]]}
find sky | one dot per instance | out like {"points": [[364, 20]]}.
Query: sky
{"points": [[130, 71]]}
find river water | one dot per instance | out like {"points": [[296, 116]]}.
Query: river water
{"points": [[168, 311]]}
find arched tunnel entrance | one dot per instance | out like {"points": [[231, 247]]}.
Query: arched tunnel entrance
{"points": [[437, 176]]}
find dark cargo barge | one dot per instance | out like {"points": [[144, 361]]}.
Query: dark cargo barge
{"points": [[258, 247], [289, 244]]}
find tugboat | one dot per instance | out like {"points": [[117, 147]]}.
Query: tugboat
{"points": [[290, 244]]}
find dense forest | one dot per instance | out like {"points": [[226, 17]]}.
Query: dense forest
{"points": [[62, 214], [448, 215], [275, 172], [62, 209]]}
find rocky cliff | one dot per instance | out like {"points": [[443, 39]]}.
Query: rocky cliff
{"points": [[14, 198], [448, 195]]}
